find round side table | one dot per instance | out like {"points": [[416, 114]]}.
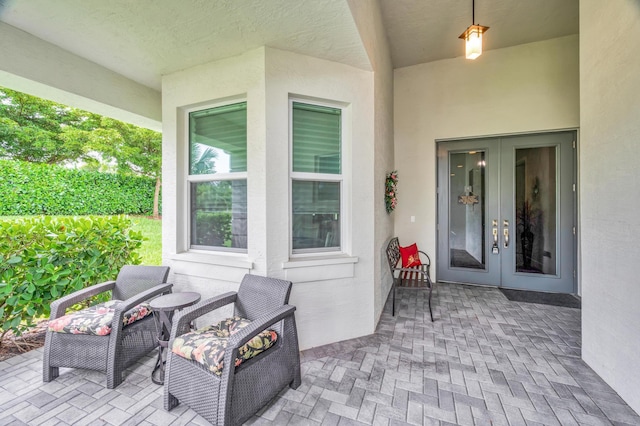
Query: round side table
{"points": [[163, 308]]}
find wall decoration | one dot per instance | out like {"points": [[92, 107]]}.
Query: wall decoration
{"points": [[391, 191]]}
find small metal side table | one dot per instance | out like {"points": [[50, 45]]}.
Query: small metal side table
{"points": [[163, 308]]}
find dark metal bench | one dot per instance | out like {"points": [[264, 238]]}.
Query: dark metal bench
{"points": [[414, 277]]}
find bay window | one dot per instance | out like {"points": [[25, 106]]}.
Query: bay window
{"points": [[316, 178], [217, 178]]}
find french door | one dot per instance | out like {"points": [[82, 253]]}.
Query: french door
{"points": [[506, 212]]}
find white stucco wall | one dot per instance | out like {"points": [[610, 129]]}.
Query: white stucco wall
{"points": [[609, 157], [34, 66], [335, 296], [527, 88], [368, 18]]}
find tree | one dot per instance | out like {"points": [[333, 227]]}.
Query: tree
{"points": [[136, 150], [41, 131]]}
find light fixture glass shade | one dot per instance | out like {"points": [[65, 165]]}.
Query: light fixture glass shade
{"points": [[473, 40]]}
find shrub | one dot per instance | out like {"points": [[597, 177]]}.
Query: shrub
{"points": [[45, 258], [214, 229], [33, 189]]}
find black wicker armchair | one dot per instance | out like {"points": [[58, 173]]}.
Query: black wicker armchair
{"points": [[112, 346], [241, 378]]}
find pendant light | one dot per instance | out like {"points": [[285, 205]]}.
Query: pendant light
{"points": [[473, 35]]}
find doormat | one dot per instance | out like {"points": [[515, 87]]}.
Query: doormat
{"points": [[555, 299]]}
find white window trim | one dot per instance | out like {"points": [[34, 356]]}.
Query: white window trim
{"points": [[188, 179], [343, 178]]}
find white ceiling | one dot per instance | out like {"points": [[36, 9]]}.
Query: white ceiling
{"points": [[144, 39]]}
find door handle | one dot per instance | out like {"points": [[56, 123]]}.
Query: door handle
{"points": [[505, 232], [494, 247]]}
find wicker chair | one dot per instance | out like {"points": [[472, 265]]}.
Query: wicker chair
{"points": [[237, 393], [123, 346]]}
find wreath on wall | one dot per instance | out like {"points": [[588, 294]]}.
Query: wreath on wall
{"points": [[391, 191]]}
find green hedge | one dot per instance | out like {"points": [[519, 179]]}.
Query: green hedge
{"points": [[32, 189], [44, 258]]}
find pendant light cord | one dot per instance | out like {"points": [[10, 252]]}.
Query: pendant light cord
{"points": [[473, 12]]}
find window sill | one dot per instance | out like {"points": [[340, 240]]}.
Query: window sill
{"points": [[231, 260], [320, 268], [305, 262]]}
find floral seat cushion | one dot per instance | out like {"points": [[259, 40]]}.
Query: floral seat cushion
{"points": [[207, 345], [97, 319]]}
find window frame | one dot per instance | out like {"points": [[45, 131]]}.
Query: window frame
{"points": [[341, 179], [210, 177]]}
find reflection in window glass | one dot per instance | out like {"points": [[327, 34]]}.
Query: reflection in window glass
{"points": [[218, 140], [316, 215], [316, 139], [536, 212], [467, 243], [219, 214]]}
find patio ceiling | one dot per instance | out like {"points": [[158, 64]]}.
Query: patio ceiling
{"points": [[144, 39]]}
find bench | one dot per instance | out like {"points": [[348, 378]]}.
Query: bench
{"points": [[414, 277]]}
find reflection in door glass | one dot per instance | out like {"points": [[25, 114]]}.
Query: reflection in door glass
{"points": [[535, 202], [467, 210]]}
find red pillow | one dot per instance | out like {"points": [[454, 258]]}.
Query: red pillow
{"points": [[410, 256]]}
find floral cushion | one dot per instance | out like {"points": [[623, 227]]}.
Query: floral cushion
{"points": [[207, 345], [97, 319]]}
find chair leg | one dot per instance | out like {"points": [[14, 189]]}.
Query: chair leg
{"points": [[113, 379], [430, 291], [170, 401], [297, 378], [49, 373], [393, 304]]}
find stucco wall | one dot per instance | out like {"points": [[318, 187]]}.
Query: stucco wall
{"points": [[334, 296], [531, 87], [609, 158], [374, 37]]}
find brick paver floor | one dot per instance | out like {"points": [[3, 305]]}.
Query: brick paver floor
{"points": [[484, 361]]}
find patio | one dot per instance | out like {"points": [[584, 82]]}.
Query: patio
{"points": [[485, 360]]}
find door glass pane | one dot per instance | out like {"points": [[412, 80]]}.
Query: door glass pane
{"points": [[467, 210], [535, 202]]}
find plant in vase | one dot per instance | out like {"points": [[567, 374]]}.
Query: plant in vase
{"points": [[526, 221]]}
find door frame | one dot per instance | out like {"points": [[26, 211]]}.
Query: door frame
{"points": [[576, 197]]}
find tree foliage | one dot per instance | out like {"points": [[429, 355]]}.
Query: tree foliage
{"points": [[40, 131]]}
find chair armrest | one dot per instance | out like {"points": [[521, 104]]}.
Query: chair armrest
{"points": [[183, 318], [427, 256], [243, 336], [260, 324], [58, 307], [125, 305]]}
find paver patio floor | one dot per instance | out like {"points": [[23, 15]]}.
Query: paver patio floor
{"points": [[484, 361]]}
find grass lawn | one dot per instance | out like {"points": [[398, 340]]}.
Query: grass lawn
{"points": [[151, 229]]}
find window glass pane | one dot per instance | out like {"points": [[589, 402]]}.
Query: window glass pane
{"points": [[316, 139], [219, 214], [316, 215], [218, 140]]}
